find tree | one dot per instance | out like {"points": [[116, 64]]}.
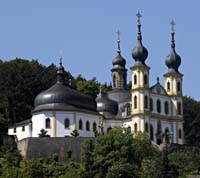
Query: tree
{"points": [[31, 169], [75, 133], [112, 147], [43, 133], [87, 169], [9, 155]]}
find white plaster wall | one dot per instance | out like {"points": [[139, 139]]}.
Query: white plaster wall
{"points": [[87, 117], [112, 123], [38, 123], [61, 131], [19, 133]]}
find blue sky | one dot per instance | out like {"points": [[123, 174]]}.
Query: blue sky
{"points": [[86, 33]]}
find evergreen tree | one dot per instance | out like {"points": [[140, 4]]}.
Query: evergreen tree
{"points": [[43, 133], [75, 133]]}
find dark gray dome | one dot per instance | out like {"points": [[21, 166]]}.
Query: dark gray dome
{"points": [[173, 60], [119, 60], [104, 104], [60, 94], [140, 53]]}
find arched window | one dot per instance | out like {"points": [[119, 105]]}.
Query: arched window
{"points": [[135, 79], [146, 127], [179, 134], [178, 86], [15, 130], [145, 79], [166, 107], [151, 104], [23, 128], [179, 108], [128, 112], [158, 106], [166, 135], [109, 129], [67, 123], [135, 102], [151, 132], [135, 127], [94, 126], [114, 81], [159, 130], [146, 102], [80, 124], [168, 86], [87, 126], [129, 129], [47, 123]]}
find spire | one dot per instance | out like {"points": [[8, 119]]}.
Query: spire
{"points": [[172, 34], [139, 53], [60, 71], [139, 26], [118, 41], [173, 60]]}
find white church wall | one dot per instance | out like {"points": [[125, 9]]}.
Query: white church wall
{"points": [[91, 119], [38, 123], [20, 133], [61, 131]]}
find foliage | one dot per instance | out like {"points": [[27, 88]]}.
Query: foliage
{"points": [[31, 169], [191, 112], [9, 155], [186, 161], [87, 167], [43, 133], [75, 133]]}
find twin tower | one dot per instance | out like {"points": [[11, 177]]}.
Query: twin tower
{"points": [[155, 109]]}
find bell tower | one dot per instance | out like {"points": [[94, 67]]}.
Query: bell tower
{"points": [[119, 71], [173, 86], [140, 82]]}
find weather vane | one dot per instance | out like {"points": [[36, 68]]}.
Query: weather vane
{"points": [[60, 56], [118, 40], [173, 25], [139, 16]]}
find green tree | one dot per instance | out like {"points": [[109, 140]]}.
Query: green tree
{"points": [[115, 146], [31, 169], [75, 133], [87, 166], [122, 170], [9, 155], [43, 133]]}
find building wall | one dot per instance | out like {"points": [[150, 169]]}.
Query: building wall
{"points": [[20, 133]]}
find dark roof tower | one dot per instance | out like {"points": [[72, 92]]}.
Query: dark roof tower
{"points": [[119, 71], [139, 53], [61, 73], [119, 62], [173, 60]]}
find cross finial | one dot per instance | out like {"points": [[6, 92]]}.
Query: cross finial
{"points": [[60, 56], [173, 25], [139, 16], [118, 40]]}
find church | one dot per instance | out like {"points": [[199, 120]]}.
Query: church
{"points": [[157, 109]]}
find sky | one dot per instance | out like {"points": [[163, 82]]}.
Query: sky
{"points": [[85, 31]]}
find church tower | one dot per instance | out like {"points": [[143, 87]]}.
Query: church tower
{"points": [[173, 87], [140, 82], [119, 71]]}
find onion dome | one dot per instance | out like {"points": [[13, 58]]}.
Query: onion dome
{"points": [[119, 62], [139, 53], [62, 97], [104, 104], [173, 60]]}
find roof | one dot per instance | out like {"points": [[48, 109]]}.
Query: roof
{"points": [[22, 123]]}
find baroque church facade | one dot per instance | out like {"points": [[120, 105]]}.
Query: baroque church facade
{"points": [[155, 109]]}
